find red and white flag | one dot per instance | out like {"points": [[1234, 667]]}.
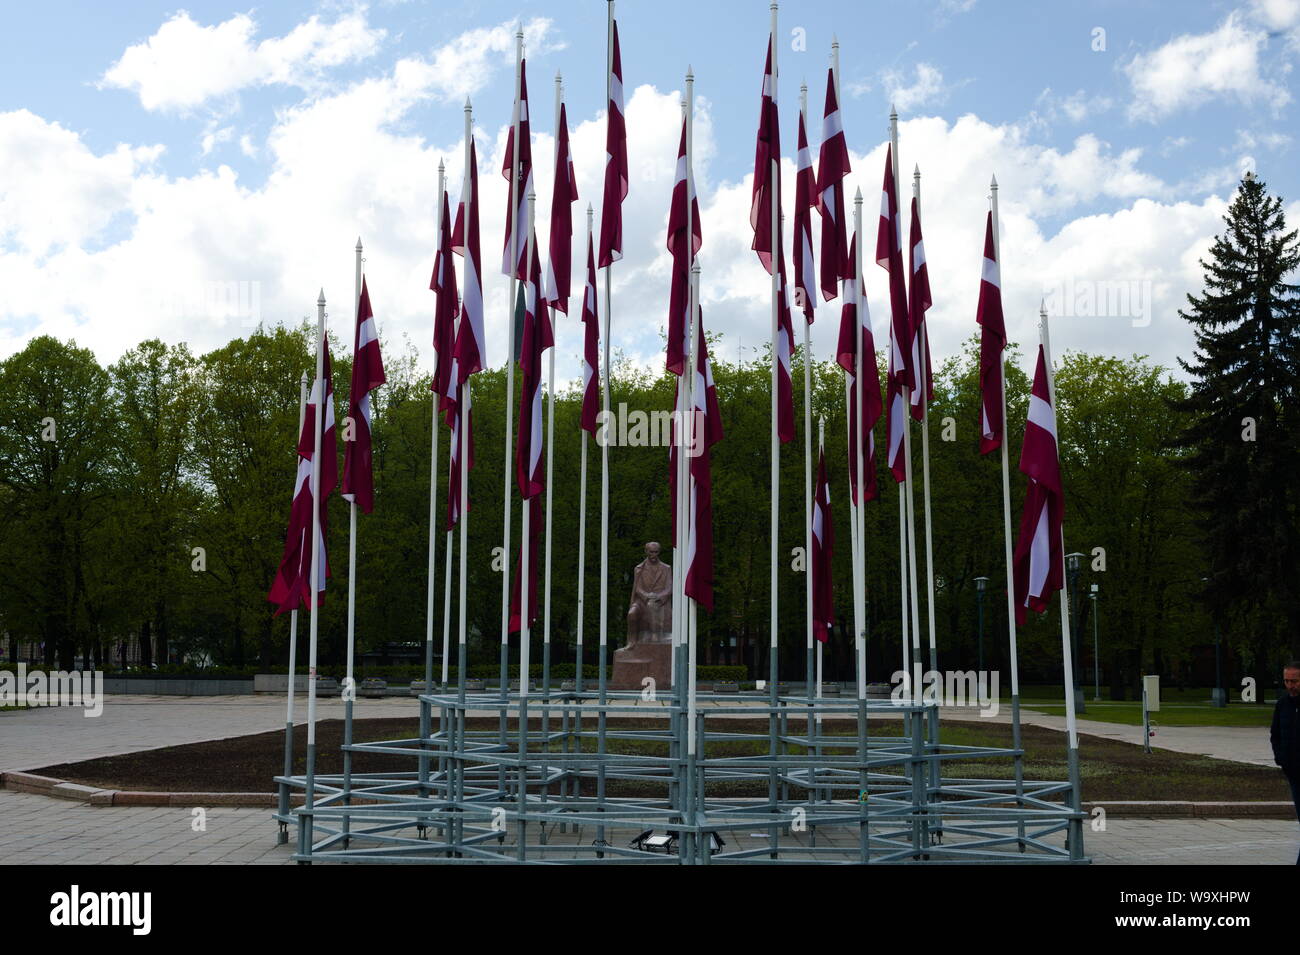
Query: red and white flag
{"points": [[993, 339], [896, 423], [291, 587], [707, 431], [805, 197], [832, 167], [1039, 560], [446, 304], [823, 529], [611, 209], [855, 334], [367, 375], [530, 470], [889, 256], [455, 473], [590, 347], [559, 268], [767, 168], [784, 349], [516, 240], [470, 344], [918, 302], [680, 286]]}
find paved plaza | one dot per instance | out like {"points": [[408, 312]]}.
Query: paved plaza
{"points": [[40, 829]]}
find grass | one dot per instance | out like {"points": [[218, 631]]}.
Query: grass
{"points": [[1170, 714]]}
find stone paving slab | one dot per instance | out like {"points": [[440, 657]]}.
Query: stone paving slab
{"points": [[43, 830]]}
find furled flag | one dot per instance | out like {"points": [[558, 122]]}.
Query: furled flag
{"points": [[367, 375], [590, 346], [611, 208], [470, 345], [784, 348], [516, 240], [823, 528], [559, 268], [767, 168], [889, 256], [706, 432], [443, 284], [530, 472], [680, 288], [846, 353], [805, 197], [455, 473], [291, 587], [1039, 564], [918, 302], [895, 423], [832, 167], [993, 339]]}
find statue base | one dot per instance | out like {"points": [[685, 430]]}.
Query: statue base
{"points": [[643, 659]]}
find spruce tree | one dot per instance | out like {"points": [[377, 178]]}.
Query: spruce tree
{"points": [[1244, 445]]}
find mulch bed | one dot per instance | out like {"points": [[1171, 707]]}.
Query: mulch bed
{"points": [[1110, 770]]}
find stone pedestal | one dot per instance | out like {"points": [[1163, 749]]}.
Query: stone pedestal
{"points": [[643, 659]]}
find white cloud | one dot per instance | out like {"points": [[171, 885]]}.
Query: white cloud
{"points": [[1277, 15], [928, 87], [1193, 68], [184, 64]]}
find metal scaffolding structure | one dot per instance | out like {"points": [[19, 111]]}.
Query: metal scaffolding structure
{"points": [[575, 786]]}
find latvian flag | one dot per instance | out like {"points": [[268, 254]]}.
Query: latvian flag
{"points": [[680, 289], [611, 209], [470, 345], [706, 424], [559, 268], [291, 587], [767, 180], [993, 339], [1039, 562], [443, 284], [590, 346], [367, 375], [918, 302], [889, 256], [516, 241], [832, 167], [530, 472], [805, 197], [846, 353], [823, 544]]}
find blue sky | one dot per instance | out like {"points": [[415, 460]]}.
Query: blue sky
{"points": [[179, 150]]}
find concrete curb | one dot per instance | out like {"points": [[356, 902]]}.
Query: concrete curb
{"points": [[59, 789]]}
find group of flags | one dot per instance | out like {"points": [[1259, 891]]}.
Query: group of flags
{"points": [[459, 346]]}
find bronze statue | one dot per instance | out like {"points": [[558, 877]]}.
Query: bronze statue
{"points": [[650, 616]]}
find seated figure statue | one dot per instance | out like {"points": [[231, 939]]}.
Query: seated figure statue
{"points": [[650, 617]]}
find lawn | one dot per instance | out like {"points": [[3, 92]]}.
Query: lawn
{"points": [[1169, 714]]}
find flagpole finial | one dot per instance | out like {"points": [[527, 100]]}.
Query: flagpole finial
{"points": [[302, 379], [690, 73], [320, 301], [916, 171], [468, 107], [893, 112], [993, 183], [358, 243], [858, 197], [835, 42], [1042, 308], [441, 166]]}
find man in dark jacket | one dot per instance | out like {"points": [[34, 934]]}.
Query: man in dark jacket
{"points": [[1285, 733]]}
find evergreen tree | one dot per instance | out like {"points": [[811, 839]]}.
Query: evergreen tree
{"points": [[1244, 439]]}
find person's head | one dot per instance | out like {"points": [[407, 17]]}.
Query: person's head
{"points": [[1291, 678], [652, 552]]}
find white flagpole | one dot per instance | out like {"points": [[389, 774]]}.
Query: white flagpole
{"points": [[774, 525], [446, 586], [349, 683], [922, 382], [305, 829], [860, 585], [582, 493], [525, 610], [510, 390], [681, 621], [433, 486], [293, 645], [821, 449], [550, 440], [807, 435], [467, 197]]}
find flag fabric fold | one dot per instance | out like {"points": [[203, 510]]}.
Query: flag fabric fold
{"points": [[823, 529], [832, 167], [559, 267], [680, 285], [889, 256], [590, 347], [367, 375], [805, 197], [855, 334], [1039, 560], [918, 302], [767, 181], [611, 209], [516, 238], [993, 340], [446, 304], [470, 344]]}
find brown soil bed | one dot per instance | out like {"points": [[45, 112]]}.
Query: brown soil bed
{"points": [[1110, 770]]}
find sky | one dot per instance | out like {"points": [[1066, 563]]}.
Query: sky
{"points": [[186, 173]]}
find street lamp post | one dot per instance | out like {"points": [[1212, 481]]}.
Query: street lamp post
{"points": [[1096, 646], [980, 584], [1072, 563]]}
